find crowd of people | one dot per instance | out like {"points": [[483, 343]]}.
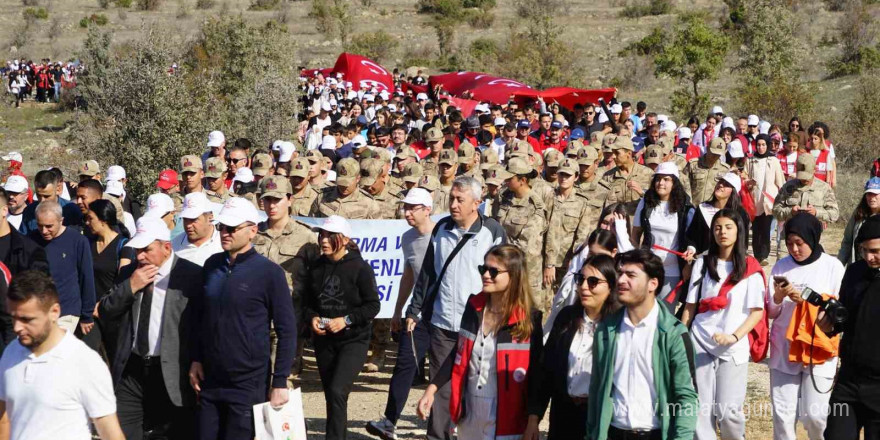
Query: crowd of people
{"points": [[594, 260], [41, 82]]}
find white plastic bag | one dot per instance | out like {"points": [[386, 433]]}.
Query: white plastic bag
{"points": [[285, 423]]}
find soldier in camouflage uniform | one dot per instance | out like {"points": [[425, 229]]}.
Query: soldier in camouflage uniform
{"points": [[523, 216], [434, 141], [448, 164], [540, 186], [411, 176], [263, 166], [404, 158], [568, 226], [468, 162], [552, 159], [495, 178], [590, 185], [191, 174], [289, 244], [304, 195], [345, 199], [606, 163], [215, 170], [628, 181], [317, 178], [806, 193], [488, 159], [653, 156], [703, 173], [432, 185]]}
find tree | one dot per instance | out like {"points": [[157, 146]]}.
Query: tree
{"points": [[374, 45], [694, 55], [769, 41]]}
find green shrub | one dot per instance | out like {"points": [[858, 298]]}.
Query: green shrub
{"points": [[375, 45], [104, 4], [148, 5], [654, 7], [857, 36], [778, 99], [652, 44], [98, 19], [481, 19], [123, 3], [35, 14], [263, 5], [860, 143], [205, 4]]}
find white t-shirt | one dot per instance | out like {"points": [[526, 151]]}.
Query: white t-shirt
{"points": [[196, 254], [15, 219], [54, 396], [824, 276], [747, 294], [664, 230]]}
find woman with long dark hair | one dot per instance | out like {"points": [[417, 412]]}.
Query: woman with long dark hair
{"points": [[726, 195], [564, 374], [341, 300], [659, 224], [500, 341], [868, 206], [725, 301]]}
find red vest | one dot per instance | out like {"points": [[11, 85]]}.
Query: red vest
{"points": [[512, 359], [822, 165]]}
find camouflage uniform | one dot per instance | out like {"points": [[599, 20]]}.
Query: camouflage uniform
{"points": [[818, 194], [525, 221], [616, 180], [371, 170], [568, 227], [357, 205], [301, 204], [432, 185], [701, 177], [215, 167]]}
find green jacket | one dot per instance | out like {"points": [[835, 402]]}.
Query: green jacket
{"points": [[673, 364]]}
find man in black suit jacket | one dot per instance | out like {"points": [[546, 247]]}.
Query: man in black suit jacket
{"points": [[151, 358]]}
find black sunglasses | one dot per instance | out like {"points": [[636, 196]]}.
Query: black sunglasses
{"points": [[592, 282], [233, 160], [493, 271], [230, 229]]}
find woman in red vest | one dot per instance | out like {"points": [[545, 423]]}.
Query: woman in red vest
{"points": [[823, 151], [500, 339], [725, 301]]}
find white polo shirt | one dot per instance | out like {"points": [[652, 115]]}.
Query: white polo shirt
{"points": [[55, 395], [196, 254]]}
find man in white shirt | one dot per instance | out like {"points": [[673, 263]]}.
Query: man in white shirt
{"points": [[201, 239], [51, 383], [17, 191]]}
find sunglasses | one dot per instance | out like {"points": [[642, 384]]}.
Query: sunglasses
{"points": [[234, 160], [592, 282], [230, 229], [493, 271]]}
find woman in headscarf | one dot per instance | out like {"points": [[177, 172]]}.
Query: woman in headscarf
{"points": [[796, 391], [766, 179]]}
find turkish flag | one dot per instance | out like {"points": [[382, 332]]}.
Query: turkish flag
{"points": [[569, 96], [308, 73], [465, 106], [363, 72], [481, 86]]}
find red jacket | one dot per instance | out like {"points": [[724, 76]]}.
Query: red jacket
{"points": [[822, 165], [514, 358]]}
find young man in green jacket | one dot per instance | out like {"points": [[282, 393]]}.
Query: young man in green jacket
{"points": [[643, 363]]}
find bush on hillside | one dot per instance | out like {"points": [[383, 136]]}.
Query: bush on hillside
{"points": [[481, 19], [124, 3], [97, 19], [377, 45], [860, 143], [654, 7], [651, 44], [858, 37], [30, 14], [263, 5], [205, 4], [532, 9], [777, 100], [148, 5]]}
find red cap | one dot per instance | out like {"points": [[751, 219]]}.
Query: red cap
{"points": [[167, 179]]}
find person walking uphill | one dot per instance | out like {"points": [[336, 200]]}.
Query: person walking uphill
{"points": [[341, 301], [244, 294]]}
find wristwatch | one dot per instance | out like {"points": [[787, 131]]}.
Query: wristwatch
{"points": [[347, 320]]}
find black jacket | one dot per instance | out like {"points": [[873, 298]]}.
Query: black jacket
{"points": [[343, 288], [859, 292], [699, 235], [24, 254], [567, 420]]}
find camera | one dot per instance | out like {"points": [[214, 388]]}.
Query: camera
{"points": [[834, 310]]}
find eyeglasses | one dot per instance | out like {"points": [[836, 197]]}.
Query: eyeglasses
{"points": [[230, 229], [592, 282], [493, 271], [234, 160], [591, 113]]}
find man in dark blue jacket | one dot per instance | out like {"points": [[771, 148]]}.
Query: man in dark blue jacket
{"points": [[244, 293]]}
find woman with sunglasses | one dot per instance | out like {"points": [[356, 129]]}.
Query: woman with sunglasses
{"points": [[499, 342], [341, 300], [725, 302], [564, 373]]}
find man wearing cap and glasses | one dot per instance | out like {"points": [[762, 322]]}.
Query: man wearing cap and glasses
{"points": [[236, 157], [704, 172], [151, 358], [244, 295], [200, 239], [216, 146], [17, 196], [806, 193], [288, 243]]}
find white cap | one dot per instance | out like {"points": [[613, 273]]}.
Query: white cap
{"points": [[325, 106], [384, 94], [115, 172], [422, 97], [238, 210], [482, 108], [735, 149], [753, 120], [216, 138], [149, 229], [276, 146], [348, 84], [243, 175], [194, 205], [603, 118], [418, 196], [16, 184], [331, 81], [15, 155], [764, 127], [684, 133], [335, 224], [114, 188], [667, 168], [369, 98], [717, 109], [392, 108], [733, 180], [616, 109], [328, 143], [500, 121], [668, 125], [333, 102], [287, 149], [358, 141], [662, 118], [158, 205], [727, 122]]}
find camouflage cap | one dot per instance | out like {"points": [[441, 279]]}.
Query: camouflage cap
{"points": [[537, 159], [412, 172], [429, 183], [497, 175], [371, 170], [190, 163], [666, 145], [623, 143], [573, 148], [717, 146], [262, 164], [447, 157], [347, 171], [552, 157], [519, 166], [568, 166], [275, 186], [654, 155], [520, 148], [587, 155], [434, 134], [488, 159], [89, 168], [806, 166], [314, 155], [597, 137], [406, 153], [607, 141], [466, 152], [299, 167], [379, 153], [215, 167]]}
